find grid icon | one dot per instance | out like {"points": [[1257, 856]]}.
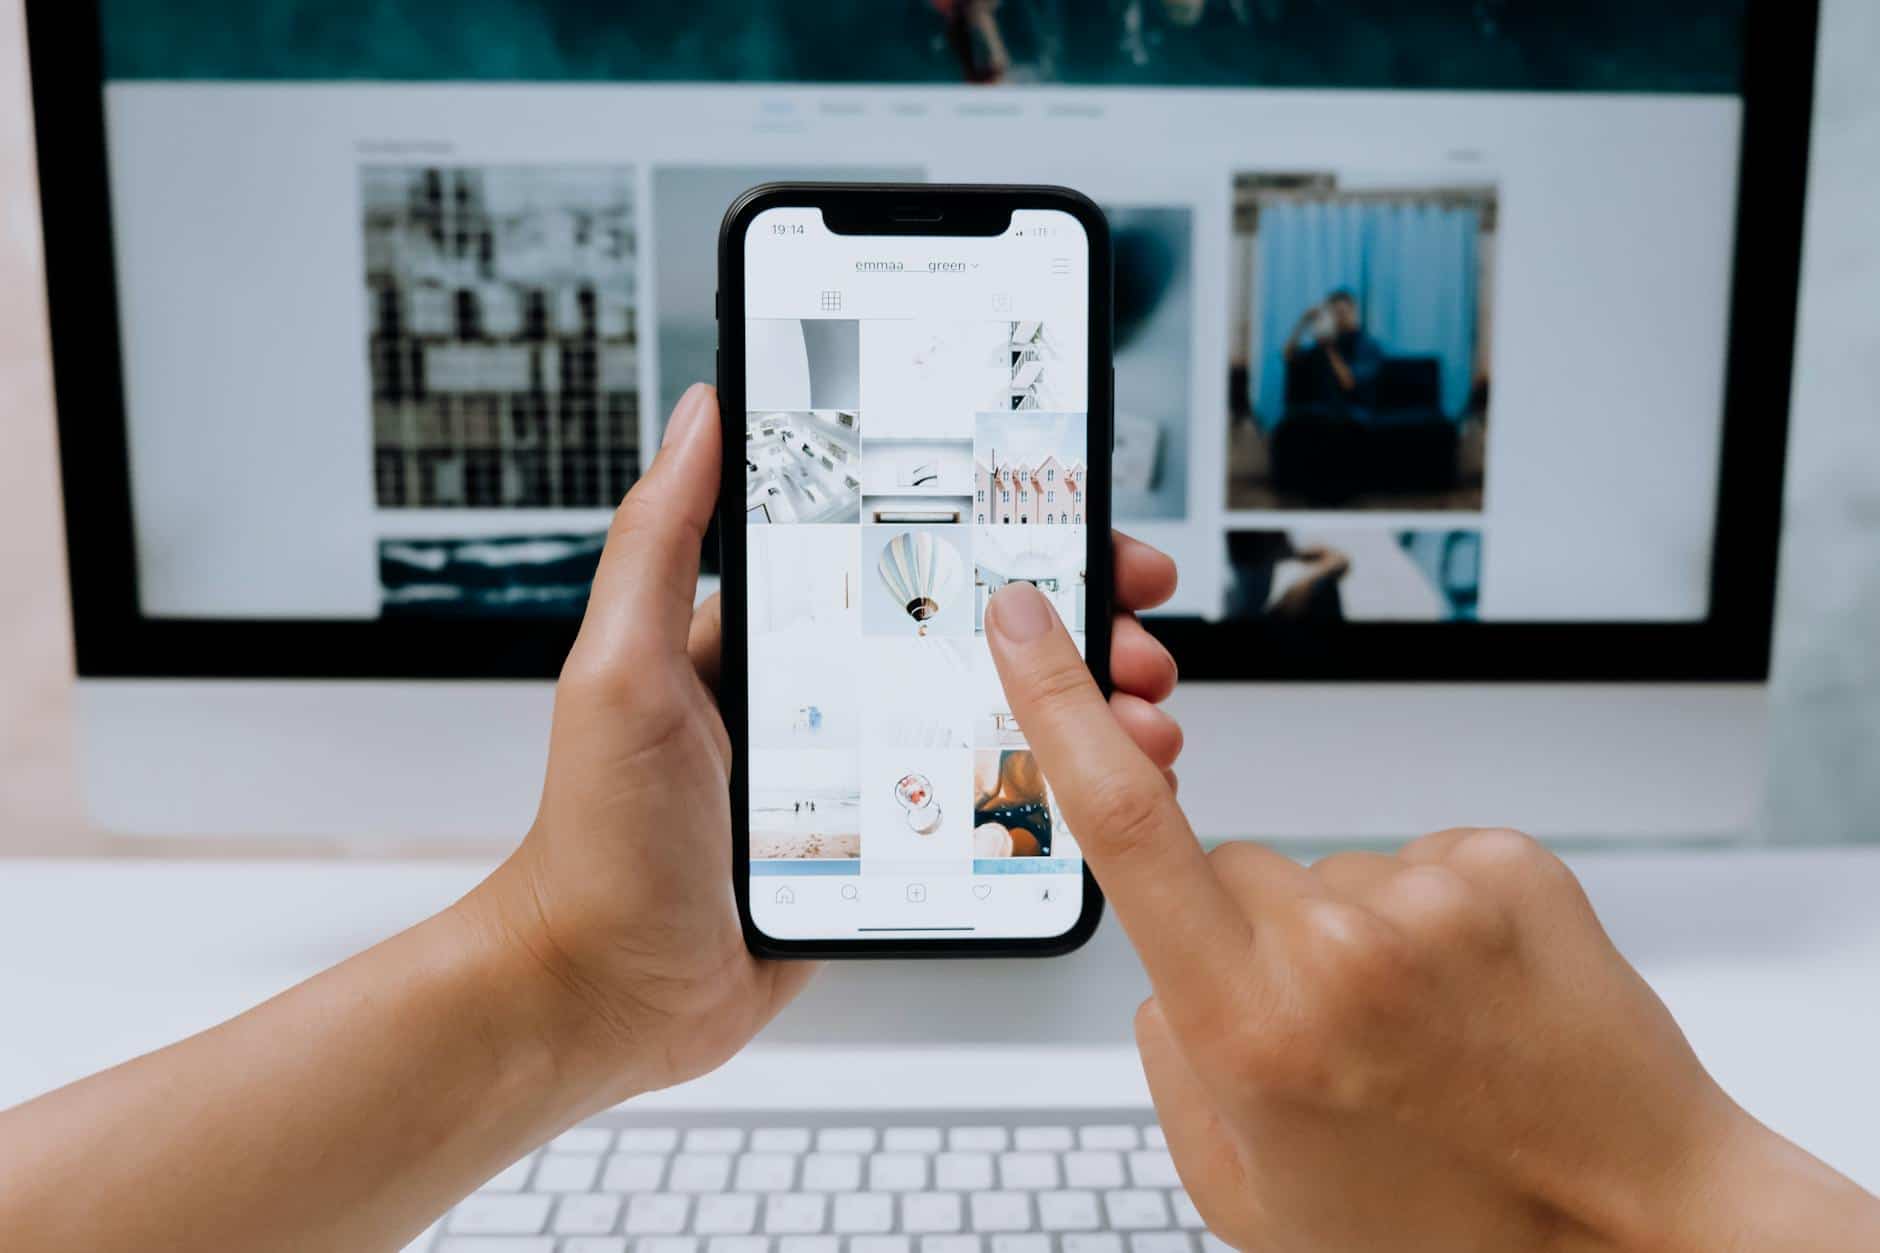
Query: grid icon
{"points": [[831, 302]]}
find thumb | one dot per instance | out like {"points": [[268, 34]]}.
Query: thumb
{"points": [[648, 572]]}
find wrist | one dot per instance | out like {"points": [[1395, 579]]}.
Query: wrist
{"points": [[1747, 1188], [541, 1010]]}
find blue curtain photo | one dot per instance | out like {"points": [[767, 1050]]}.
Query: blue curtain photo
{"points": [[1410, 263]]}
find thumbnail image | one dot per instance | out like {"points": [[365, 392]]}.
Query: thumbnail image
{"points": [[803, 692], [1154, 299], [917, 480], [1014, 813], [917, 804], [1358, 333], [502, 313], [804, 581], [1051, 559], [1046, 367], [1372, 575], [1029, 469], [917, 581], [927, 378], [802, 363], [919, 691], [489, 576], [805, 805], [688, 202], [802, 466]]}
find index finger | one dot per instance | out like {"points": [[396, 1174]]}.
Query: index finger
{"points": [[1192, 936]]}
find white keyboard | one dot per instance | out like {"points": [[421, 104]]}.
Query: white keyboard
{"points": [[1064, 1181]]}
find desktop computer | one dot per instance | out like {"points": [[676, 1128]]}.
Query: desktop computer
{"points": [[361, 328]]}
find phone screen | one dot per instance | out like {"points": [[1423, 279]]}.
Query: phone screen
{"points": [[915, 437]]}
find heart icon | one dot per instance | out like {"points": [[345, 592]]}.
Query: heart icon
{"points": [[982, 890]]}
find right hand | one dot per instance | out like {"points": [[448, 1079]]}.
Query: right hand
{"points": [[1434, 1050]]}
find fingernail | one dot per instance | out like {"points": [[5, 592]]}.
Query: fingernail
{"points": [[1021, 612], [686, 415]]}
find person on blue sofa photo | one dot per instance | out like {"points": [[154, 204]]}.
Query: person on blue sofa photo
{"points": [[1340, 358]]}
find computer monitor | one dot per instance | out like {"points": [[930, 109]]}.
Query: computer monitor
{"points": [[1453, 338]]}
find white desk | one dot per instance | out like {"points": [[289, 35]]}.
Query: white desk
{"points": [[1770, 960]]}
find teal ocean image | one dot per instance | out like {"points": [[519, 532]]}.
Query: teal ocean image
{"points": [[1542, 45]]}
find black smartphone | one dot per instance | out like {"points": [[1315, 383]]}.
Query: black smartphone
{"points": [[915, 381]]}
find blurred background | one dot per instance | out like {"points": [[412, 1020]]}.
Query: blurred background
{"points": [[1270, 505]]}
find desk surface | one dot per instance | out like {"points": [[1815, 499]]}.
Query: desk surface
{"points": [[1771, 960]]}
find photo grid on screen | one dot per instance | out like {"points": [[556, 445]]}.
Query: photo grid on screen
{"points": [[897, 474]]}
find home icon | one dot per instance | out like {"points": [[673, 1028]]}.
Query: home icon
{"points": [[785, 896]]}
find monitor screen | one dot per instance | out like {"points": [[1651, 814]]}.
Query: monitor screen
{"points": [[1421, 306]]}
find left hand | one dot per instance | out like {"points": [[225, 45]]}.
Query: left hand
{"points": [[621, 893]]}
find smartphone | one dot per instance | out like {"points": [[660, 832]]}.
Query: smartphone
{"points": [[916, 389]]}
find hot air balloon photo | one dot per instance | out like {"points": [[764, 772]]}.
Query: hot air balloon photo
{"points": [[921, 586]]}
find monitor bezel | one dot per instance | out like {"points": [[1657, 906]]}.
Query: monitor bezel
{"points": [[114, 639]]}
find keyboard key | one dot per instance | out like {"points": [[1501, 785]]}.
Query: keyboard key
{"points": [[1186, 1215], [930, 1211], [496, 1244], [810, 1244], [846, 1140], [583, 1140], [1009, 1243], [949, 1244], [511, 1177], [714, 1140], [1135, 1210], [657, 1214], [730, 1214], [495, 1214], [734, 1244], [780, 1140], [1153, 1168], [1001, 1211], [832, 1172], [633, 1172], [1094, 1169], [1153, 1137], [648, 1140], [897, 1172], [977, 1139], [1211, 1243], [699, 1172], [864, 1212], [1028, 1170], [911, 1139], [880, 1244], [666, 1244], [766, 1172], [1091, 1242], [592, 1214], [963, 1172], [595, 1244], [794, 1212], [567, 1172], [1108, 1137], [1161, 1242], [1068, 1211], [1044, 1139]]}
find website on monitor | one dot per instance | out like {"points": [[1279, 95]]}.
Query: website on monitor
{"points": [[1439, 354]]}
